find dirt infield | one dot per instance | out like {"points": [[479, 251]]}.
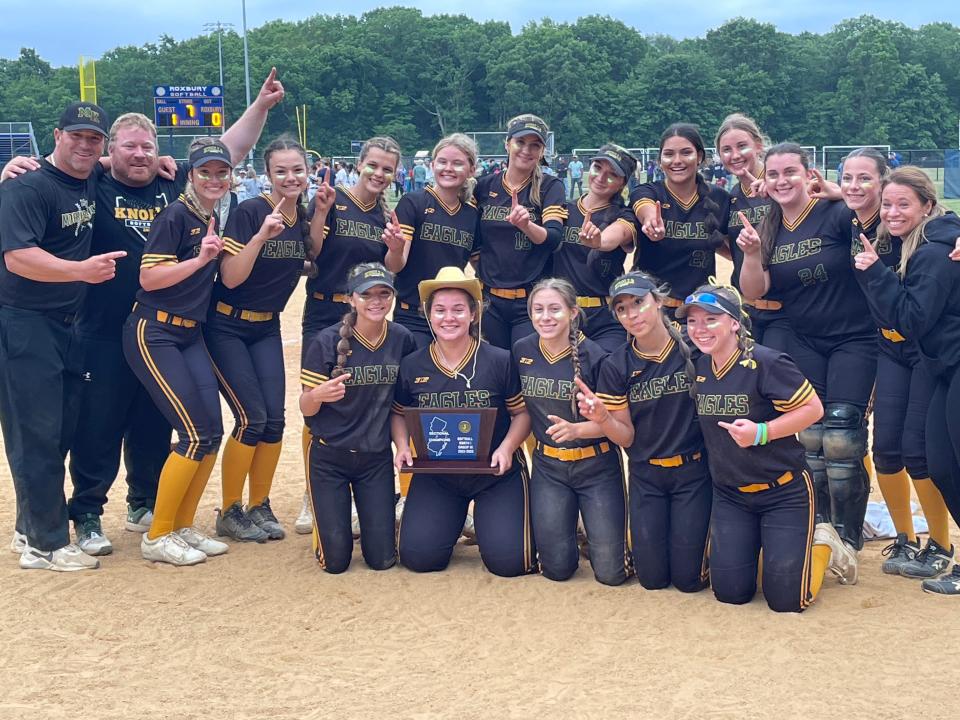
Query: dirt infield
{"points": [[263, 633]]}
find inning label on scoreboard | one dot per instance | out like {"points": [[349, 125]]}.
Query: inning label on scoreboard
{"points": [[188, 106]]}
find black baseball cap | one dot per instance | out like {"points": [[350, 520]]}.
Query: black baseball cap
{"points": [[216, 150], [624, 164], [363, 281], [631, 284], [84, 116], [528, 125], [713, 303]]}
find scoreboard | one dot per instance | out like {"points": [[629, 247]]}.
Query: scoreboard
{"points": [[188, 106]]}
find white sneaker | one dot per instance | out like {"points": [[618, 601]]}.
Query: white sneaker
{"points": [[170, 548], [90, 535], [399, 509], [19, 543], [69, 558], [354, 519], [207, 545], [843, 559], [304, 523]]}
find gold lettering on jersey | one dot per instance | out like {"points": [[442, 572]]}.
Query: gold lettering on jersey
{"points": [[283, 250], [685, 230], [883, 246], [526, 361], [754, 215], [429, 211], [788, 252], [142, 214], [571, 235], [82, 217], [455, 399], [493, 213], [422, 379], [341, 208], [550, 388], [659, 386], [195, 231], [356, 229], [445, 234], [372, 374], [729, 405]]}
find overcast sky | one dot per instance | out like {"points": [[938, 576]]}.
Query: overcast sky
{"points": [[62, 30]]}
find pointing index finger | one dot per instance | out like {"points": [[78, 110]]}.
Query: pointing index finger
{"points": [[744, 220], [213, 221], [514, 201], [272, 76], [867, 244]]}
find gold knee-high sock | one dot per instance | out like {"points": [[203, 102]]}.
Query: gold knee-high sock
{"points": [[191, 498], [175, 478], [934, 509], [306, 438], [895, 489], [262, 470], [237, 459], [821, 559]]}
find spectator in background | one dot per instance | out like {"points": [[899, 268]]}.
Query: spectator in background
{"points": [[576, 177], [429, 171], [251, 184], [399, 180], [563, 172], [353, 177], [419, 175], [893, 160], [342, 175]]}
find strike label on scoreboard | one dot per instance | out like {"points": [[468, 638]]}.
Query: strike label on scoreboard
{"points": [[188, 106]]}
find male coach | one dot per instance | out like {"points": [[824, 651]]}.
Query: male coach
{"points": [[46, 224]]}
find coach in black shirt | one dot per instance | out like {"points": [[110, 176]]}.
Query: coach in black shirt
{"points": [[46, 220]]}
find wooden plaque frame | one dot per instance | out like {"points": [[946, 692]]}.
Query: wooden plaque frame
{"points": [[422, 462]]}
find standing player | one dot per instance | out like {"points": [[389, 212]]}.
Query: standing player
{"points": [[265, 243], [902, 393], [802, 254], [922, 304], [573, 473], [434, 228], [598, 229], [163, 343], [348, 377], [459, 370], [645, 385], [46, 221], [683, 220], [741, 146], [752, 401], [346, 228], [521, 224]]}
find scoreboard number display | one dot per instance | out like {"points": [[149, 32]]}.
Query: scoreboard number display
{"points": [[188, 106]]}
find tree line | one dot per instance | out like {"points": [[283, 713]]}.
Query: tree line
{"points": [[395, 71]]}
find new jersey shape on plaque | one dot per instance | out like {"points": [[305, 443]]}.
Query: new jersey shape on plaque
{"points": [[451, 440]]}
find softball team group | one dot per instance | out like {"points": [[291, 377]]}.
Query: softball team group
{"points": [[742, 409]]}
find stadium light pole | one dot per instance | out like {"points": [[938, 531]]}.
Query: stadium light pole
{"points": [[219, 28], [246, 63]]}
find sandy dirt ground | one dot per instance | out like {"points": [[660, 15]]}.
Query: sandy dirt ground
{"points": [[263, 633]]}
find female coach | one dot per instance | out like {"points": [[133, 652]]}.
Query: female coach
{"points": [[574, 473], [921, 301], [459, 370], [521, 224], [433, 228], [600, 228], [752, 401], [802, 254], [348, 377], [647, 408], [683, 220], [163, 343], [266, 241]]}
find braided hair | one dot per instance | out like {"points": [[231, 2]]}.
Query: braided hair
{"points": [[349, 321], [712, 223], [569, 295]]}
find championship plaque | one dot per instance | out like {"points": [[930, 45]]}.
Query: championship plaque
{"points": [[451, 440]]}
